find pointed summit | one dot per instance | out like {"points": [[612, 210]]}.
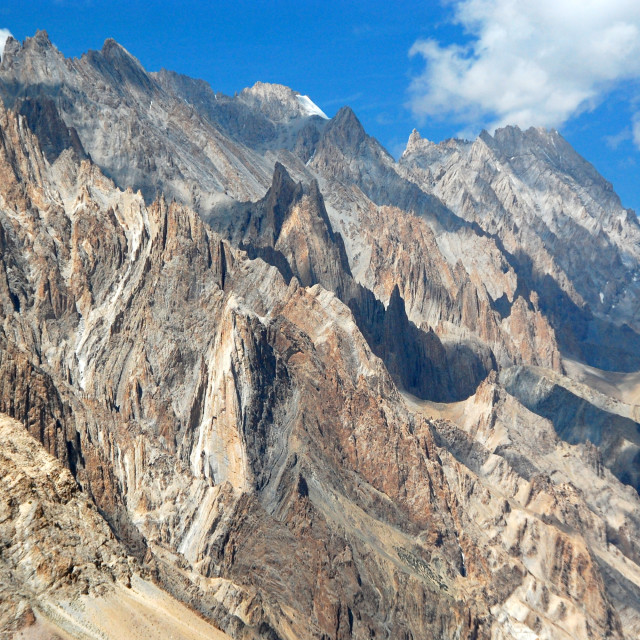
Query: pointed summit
{"points": [[40, 40], [36, 59], [114, 52], [347, 117], [346, 130], [121, 65], [281, 195], [416, 143], [414, 137], [11, 47], [281, 182]]}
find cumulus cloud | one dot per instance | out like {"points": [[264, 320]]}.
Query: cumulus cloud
{"points": [[4, 34], [528, 63]]}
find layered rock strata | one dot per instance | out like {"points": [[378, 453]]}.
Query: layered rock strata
{"points": [[224, 394]]}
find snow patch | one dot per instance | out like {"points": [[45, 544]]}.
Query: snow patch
{"points": [[310, 108], [601, 298]]}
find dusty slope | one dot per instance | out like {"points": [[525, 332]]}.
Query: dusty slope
{"points": [[61, 569]]}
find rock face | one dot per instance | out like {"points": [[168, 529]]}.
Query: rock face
{"points": [[570, 238], [310, 397], [62, 569]]}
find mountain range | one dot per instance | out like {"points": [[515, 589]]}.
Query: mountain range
{"points": [[262, 380]]}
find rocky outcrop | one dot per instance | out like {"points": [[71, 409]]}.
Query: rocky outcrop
{"points": [[53, 134], [63, 573], [290, 229], [549, 488]]}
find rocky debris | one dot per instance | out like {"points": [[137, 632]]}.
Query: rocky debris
{"points": [[54, 542]]}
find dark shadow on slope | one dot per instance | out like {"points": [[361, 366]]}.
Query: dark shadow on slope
{"points": [[45, 122], [418, 360], [580, 334], [314, 253], [576, 420], [620, 590]]}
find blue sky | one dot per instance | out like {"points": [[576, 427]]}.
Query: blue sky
{"points": [[570, 64]]}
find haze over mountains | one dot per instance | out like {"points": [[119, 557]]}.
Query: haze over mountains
{"points": [[302, 389]]}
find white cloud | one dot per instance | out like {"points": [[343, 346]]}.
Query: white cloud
{"points": [[529, 63], [4, 34], [614, 141], [636, 129]]}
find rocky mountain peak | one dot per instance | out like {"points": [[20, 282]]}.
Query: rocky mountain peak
{"points": [[414, 141], [283, 187], [419, 145], [345, 117], [279, 103], [546, 145], [345, 130], [39, 41], [113, 59], [10, 47], [36, 55], [282, 193], [113, 50]]}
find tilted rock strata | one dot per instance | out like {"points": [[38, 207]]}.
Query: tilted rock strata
{"points": [[560, 220], [167, 133], [220, 399], [247, 433]]}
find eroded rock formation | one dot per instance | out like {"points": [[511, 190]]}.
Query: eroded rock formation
{"points": [[299, 395]]}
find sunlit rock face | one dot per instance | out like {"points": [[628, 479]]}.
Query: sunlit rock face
{"points": [[569, 236], [259, 379]]}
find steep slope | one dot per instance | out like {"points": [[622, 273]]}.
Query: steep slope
{"points": [[62, 572], [243, 441], [168, 133], [449, 274], [290, 228], [142, 136], [570, 238], [221, 383], [544, 481], [582, 415]]}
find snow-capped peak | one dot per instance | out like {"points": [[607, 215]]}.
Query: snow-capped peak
{"points": [[280, 103], [311, 108]]}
